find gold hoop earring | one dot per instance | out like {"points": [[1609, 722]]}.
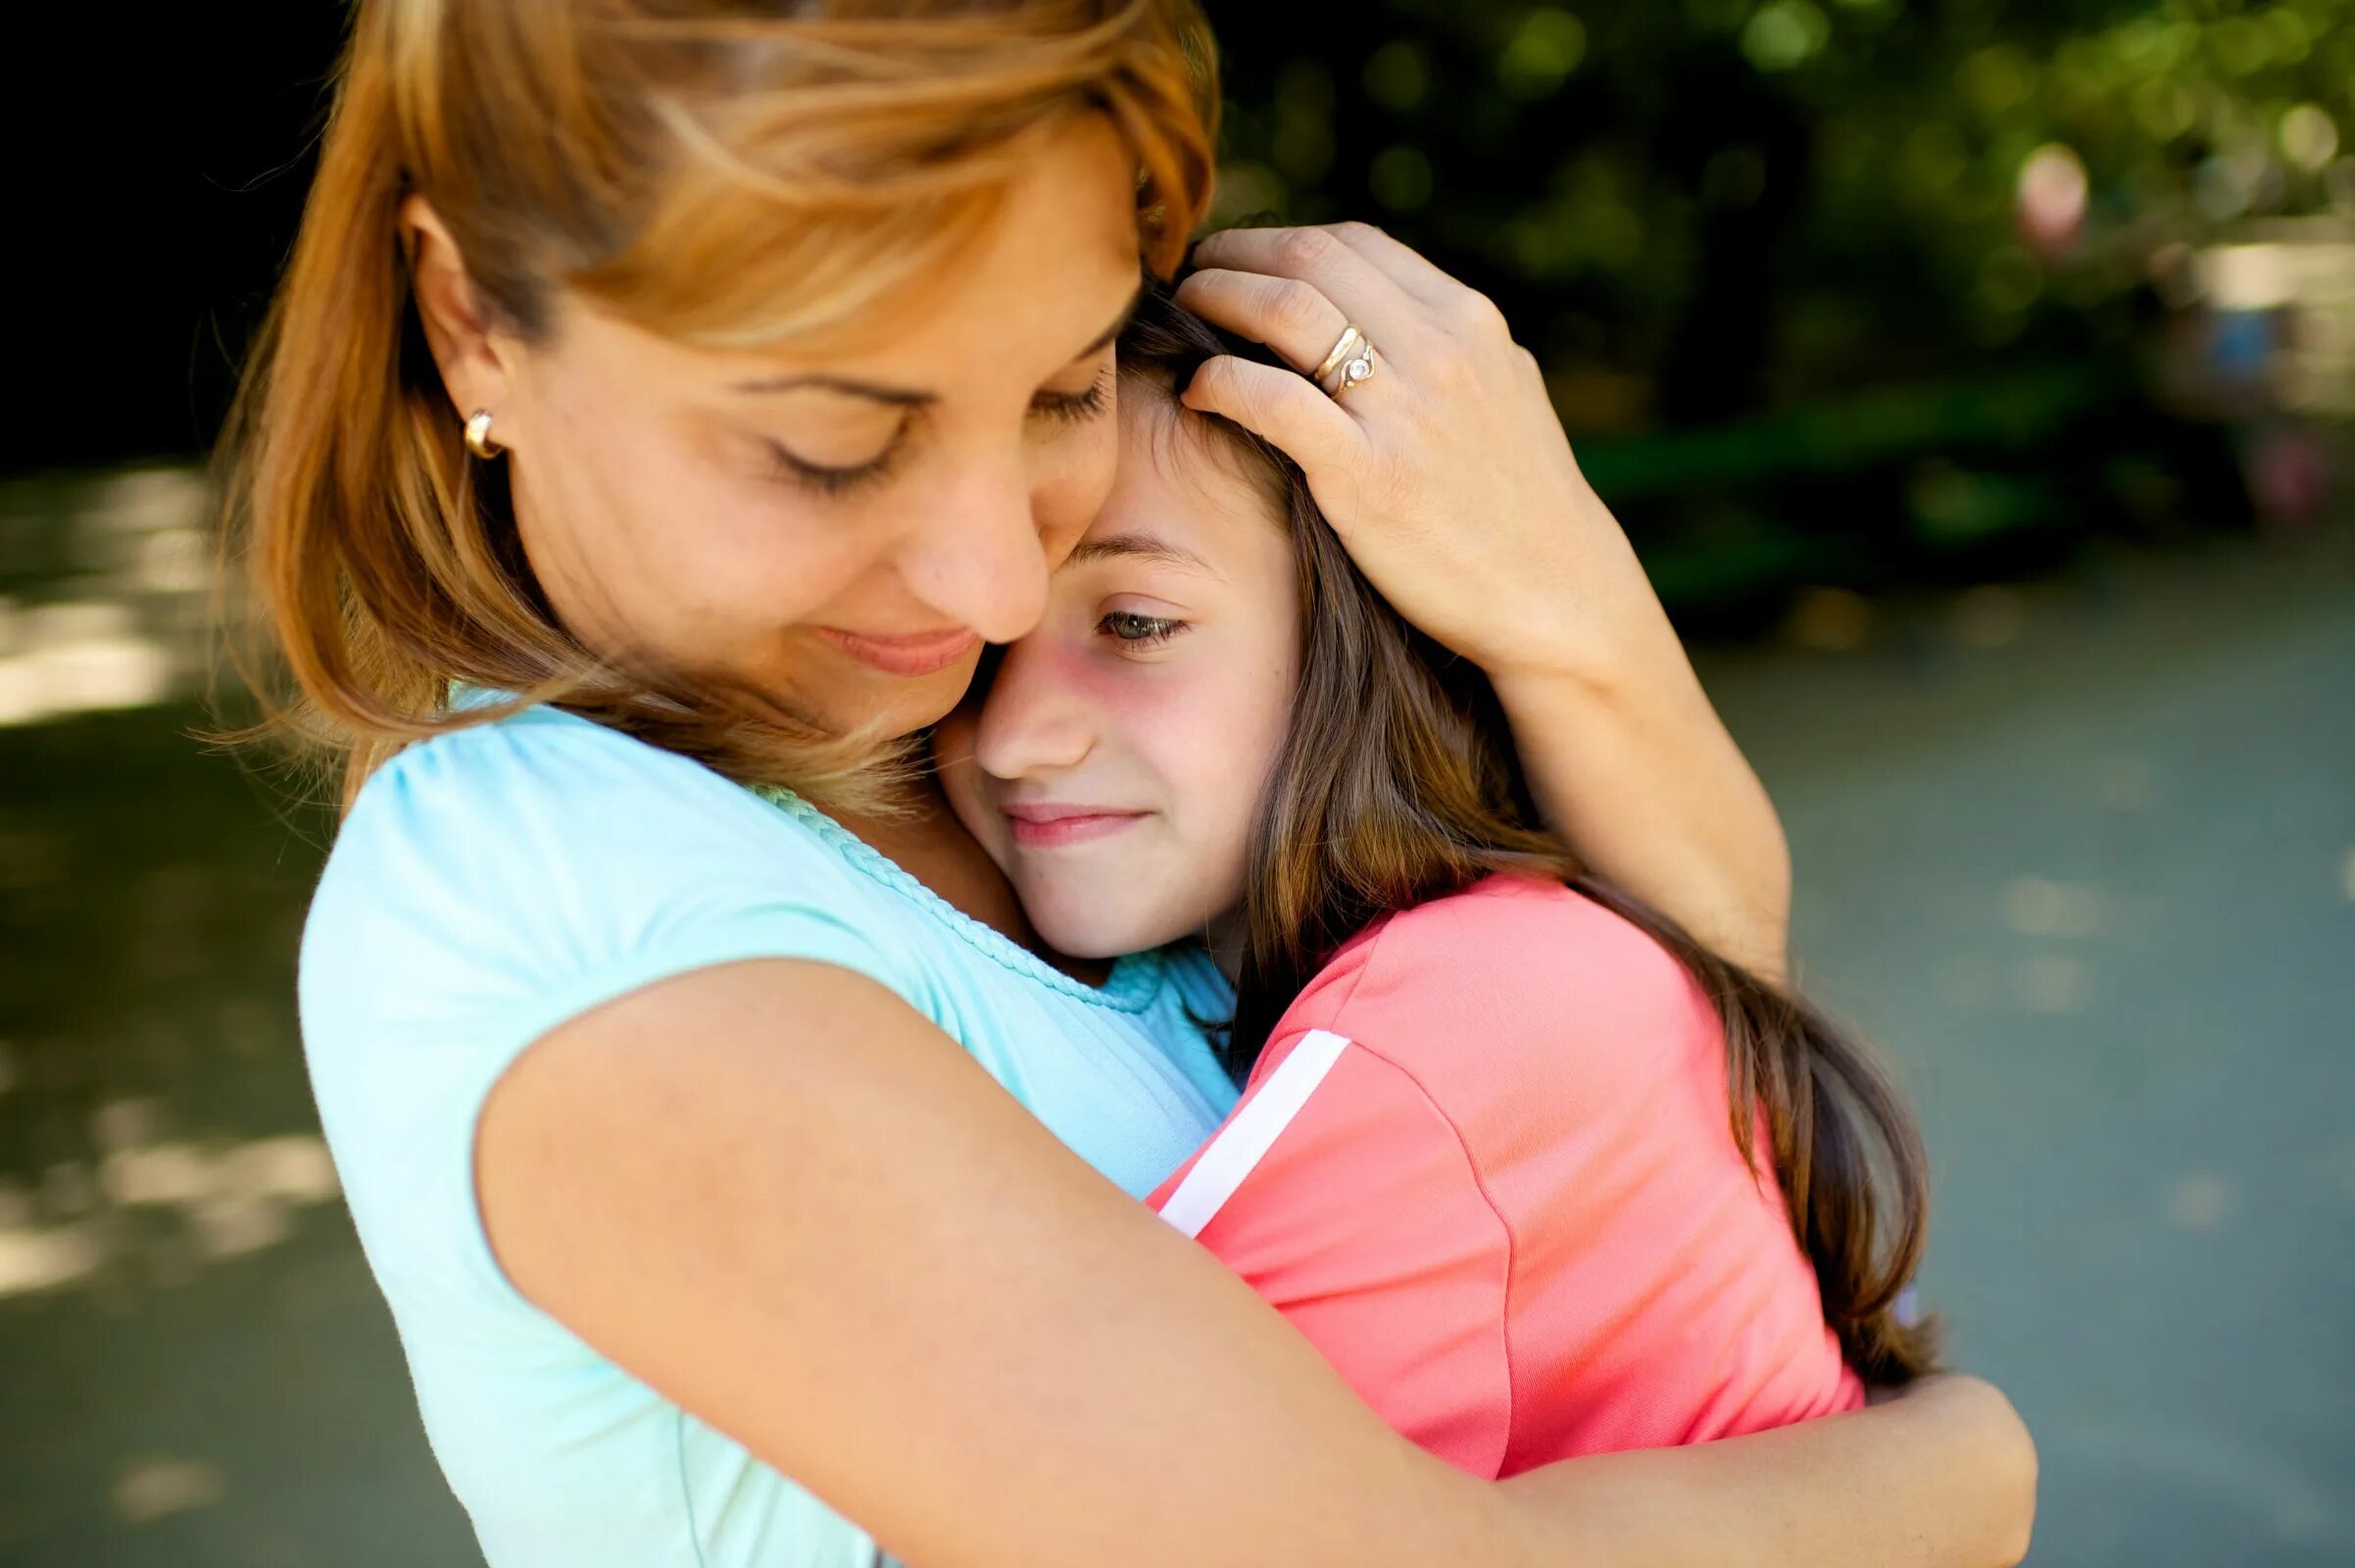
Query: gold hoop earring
{"points": [[478, 436]]}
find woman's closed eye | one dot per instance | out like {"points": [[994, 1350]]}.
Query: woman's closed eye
{"points": [[833, 479], [840, 478], [1076, 408]]}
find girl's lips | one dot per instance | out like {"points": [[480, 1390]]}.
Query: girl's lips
{"points": [[1054, 827], [921, 654]]}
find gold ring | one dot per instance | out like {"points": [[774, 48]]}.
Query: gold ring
{"points": [[1343, 347], [1358, 365]]}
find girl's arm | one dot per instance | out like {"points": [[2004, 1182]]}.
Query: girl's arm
{"points": [[776, 1194], [1449, 477]]}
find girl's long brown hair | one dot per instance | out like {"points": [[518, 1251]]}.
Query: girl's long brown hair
{"points": [[1396, 783], [722, 172]]}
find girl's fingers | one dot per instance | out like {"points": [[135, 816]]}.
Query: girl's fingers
{"points": [[1365, 295], [1287, 410], [1293, 318]]}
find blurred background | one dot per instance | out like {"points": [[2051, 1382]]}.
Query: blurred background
{"points": [[1976, 379]]}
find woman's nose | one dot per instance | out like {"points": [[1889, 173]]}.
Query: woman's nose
{"points": [[979, 560], [1034, 720]]}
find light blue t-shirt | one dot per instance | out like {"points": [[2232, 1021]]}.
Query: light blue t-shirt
{"points": [[489, 885]]}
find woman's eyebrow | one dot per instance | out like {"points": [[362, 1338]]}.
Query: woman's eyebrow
{"points": [[1136, 545], [908, 397], [899, 397]]}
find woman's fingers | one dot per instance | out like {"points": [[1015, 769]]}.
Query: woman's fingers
{"points": [[1291, 316], [1365, 295], [1401, 262], [1286, 408]]}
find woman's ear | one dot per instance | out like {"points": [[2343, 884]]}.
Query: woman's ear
{"points": [[474, 365]]}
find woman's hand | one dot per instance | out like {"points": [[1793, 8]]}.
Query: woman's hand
{"points": [[1445, 472], [1449, 479]]}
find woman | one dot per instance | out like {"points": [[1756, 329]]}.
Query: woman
{"points": [[730, 380]]}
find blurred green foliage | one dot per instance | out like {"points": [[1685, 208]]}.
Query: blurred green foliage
{"points": [[1847, 291], [1697, 209]]}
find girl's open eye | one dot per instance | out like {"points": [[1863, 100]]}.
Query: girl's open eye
{"points": [[1138, 631]]}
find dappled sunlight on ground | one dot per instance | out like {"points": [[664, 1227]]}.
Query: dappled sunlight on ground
{"points": [[221, 1201], [110, 611]]}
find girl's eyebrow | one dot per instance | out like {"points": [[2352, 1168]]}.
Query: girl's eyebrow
{"points": [[1138, 546]]}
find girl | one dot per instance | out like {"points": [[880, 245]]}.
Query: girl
{"points": [[667, 399], [1488, 1160]]}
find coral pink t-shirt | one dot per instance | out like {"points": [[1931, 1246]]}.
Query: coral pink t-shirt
{"points": [[1485, 1164]]}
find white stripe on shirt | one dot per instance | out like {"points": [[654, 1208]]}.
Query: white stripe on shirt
{"points": [[1238, 1148]]}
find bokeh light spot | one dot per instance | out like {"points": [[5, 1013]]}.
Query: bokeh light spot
{"points": [[1400, 178], [1548, 46], [1397, 75], [2309, 136], [1786, 34]]}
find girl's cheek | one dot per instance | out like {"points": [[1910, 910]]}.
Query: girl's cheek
{"points": [[1207, 741]]}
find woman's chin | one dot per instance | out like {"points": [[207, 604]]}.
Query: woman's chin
{"points": [[894, 707]]}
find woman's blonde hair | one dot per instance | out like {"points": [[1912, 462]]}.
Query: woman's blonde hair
{"points": [[724, 173]]}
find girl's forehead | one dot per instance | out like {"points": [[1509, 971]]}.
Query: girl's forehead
{"points": [[1181, 472]]}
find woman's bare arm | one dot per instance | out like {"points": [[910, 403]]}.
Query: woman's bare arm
{"points": [[776, 1194], [1847, 1488], [1632, 767]]}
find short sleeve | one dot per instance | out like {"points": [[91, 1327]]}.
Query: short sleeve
{"points": [[1341, 1193], [486, 886]]}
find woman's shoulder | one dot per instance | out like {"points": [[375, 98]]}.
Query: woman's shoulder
{"points": [[1509, 960], [493, 883], [540, 758], [553, 852], [549, 790]]}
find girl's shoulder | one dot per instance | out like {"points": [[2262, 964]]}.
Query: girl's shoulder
{"points": [[1511, 965], [1525, 936]]}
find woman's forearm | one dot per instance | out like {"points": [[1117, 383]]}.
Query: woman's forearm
{"points": [[1944, 1476], [1631, 765]]}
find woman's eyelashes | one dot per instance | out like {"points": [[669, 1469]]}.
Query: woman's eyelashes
{"points": [[836, 479], [1074, 407], [1132, 630]]}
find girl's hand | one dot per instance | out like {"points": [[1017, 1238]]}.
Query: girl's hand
{"points": [[1446, 474]]}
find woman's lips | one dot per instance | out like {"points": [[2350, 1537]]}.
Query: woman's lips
{"points": [[1054, 827], [923, 654]]}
